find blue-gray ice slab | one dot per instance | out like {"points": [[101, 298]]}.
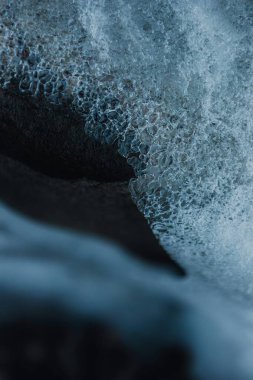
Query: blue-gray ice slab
{"points": [[83, 276], [172, 81], [190, 112]]}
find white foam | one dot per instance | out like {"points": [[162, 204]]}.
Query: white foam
{"points": [[190, 122]]}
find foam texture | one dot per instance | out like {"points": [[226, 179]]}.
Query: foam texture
{"points": [[171, 82]]}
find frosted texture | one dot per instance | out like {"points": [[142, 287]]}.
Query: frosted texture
{"points": [[172, 83], [189, 122]]}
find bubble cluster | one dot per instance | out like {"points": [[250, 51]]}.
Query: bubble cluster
{"points": [[171, 83]]}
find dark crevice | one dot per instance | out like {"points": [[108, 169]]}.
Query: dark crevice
{"points": [[47, 170], [51, 139]]}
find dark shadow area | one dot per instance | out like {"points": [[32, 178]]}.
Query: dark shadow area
{"points": [[51, 139], [48, 350], [50, 170]]}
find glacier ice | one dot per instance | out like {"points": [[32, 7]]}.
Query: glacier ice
{"points": [[171, 82], [187, 126]]}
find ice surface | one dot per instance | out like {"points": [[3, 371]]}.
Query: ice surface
{"points": [[83, 276], [171, 81], [188, 119]]}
